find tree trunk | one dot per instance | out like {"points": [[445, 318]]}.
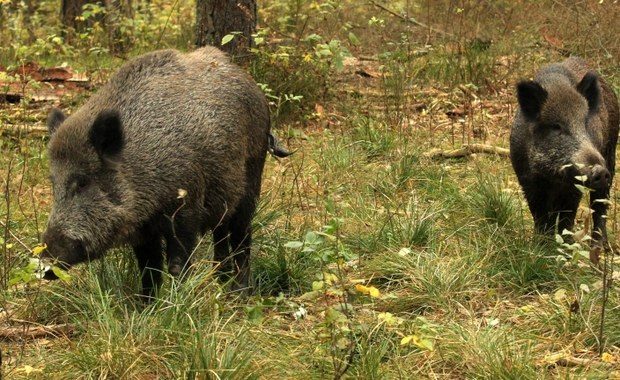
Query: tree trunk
{"points": [[19, 10], [70, 10], [218, 18], [117, 11], [31, 8]]}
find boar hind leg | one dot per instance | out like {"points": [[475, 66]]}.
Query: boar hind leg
{"points": [[221, 251], [149, 254], [562, 216], [235, 234], [241, 241]]}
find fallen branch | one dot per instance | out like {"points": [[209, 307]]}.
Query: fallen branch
{"points": [[410, 20], [17, 130], [467, 150], [35, 332]]}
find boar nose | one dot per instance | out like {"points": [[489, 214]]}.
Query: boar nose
{"points": [[65, 250], [599, 177]]}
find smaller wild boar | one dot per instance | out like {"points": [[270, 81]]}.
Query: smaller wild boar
{"points": [[565, 131], [172, 146]]}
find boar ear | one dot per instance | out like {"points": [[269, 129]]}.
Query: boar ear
{"points": [[531, 97], [55, 118], [106, 134], [589, 88]]}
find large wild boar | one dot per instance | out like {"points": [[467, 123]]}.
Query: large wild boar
{"points": [[565, 131], [165, 122]]}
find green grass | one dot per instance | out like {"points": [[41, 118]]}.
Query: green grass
{"points": [[182, 334], [439, 241]]}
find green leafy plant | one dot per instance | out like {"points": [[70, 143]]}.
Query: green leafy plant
{"points": [[35, 269]]}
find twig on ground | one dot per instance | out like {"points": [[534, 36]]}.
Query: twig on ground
{"points": [[36, 332], [410, 20], [467, 150]]}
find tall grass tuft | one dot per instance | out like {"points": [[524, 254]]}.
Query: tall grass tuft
{"points": [[429, 279], [523, 263], [279, 270], [495, 204], [482, 351], [185, 333]]}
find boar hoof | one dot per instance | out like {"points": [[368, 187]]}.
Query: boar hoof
{"points": [[175, 270]]}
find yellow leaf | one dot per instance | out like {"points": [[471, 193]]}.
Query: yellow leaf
{"points": [[608, 358], [374, 292], [425, 344], [61, 274], [554, 358], [390, 319], [560, 296], [38, 249], [28, 369], [370, 290], [362, 289], [417, 341], [310, 296], [330, 278], [406, 340], [342, 343]]}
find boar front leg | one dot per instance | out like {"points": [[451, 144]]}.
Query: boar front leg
{"points": [[149, 253], [180, 242], [598, 203]]}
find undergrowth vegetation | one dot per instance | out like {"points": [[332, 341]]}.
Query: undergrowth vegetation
{"points": [[373, 257]]}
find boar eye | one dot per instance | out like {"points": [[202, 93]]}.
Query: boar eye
{"points": [[79, 183], [556, 127]]}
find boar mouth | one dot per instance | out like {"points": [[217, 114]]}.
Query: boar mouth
{"points": [[595, 176], [50, 275], [62, 253]]}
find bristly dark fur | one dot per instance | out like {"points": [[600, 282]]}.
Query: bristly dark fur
{"points": [[172, 146], [566, 129]]}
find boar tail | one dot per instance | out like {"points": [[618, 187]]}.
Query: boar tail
{"points": [[275, 148]]}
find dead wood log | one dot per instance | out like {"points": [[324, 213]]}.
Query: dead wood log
{"points": [[467, 150], [14, 130], [36, 332]]}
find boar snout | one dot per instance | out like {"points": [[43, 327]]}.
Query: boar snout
{"points": [[61, 250], [599, 177]]}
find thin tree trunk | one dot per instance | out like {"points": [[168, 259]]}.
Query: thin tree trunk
{"points": [[218, 18], [117, 12], [204, 22], [31, 8], [70, 10]]}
